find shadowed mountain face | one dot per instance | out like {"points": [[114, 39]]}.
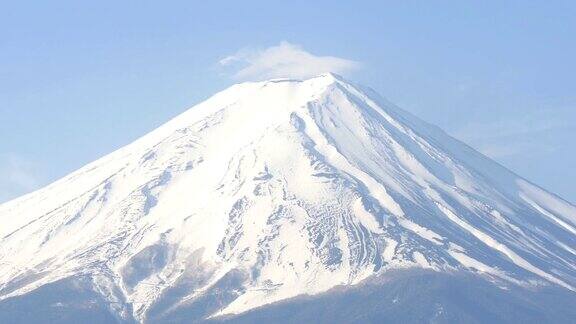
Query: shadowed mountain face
{"points": [[420, 297], [67, 301], [274, 190], [411, 296]]}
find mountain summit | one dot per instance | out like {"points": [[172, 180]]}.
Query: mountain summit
{"points": [[270, 191]]}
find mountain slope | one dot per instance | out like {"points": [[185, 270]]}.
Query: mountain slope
{"points": [[416, 296], [270, 190]]}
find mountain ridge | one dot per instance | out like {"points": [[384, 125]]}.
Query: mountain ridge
{"points": [[270, 190]]}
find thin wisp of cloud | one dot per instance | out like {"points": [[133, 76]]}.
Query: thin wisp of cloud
{"points": [[530, 134], [19, 176], [284, 60]]}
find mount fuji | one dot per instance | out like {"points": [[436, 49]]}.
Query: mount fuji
{"points": [[290, 201]]}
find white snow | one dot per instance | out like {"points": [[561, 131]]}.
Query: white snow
{"points": [[300, 186]]}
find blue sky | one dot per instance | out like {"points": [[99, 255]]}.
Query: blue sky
{"points": [[79, 79]]}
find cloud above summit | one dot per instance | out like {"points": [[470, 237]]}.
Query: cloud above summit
{"points": [[284, 60]]}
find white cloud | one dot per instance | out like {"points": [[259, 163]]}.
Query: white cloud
{"points": [[18, 175], [530, 134], [285, 60]]}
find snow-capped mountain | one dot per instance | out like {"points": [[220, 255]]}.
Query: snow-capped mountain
{"points": [[277, 189]]}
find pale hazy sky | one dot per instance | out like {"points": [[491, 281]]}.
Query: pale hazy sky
{"points": [[79, 79]]}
